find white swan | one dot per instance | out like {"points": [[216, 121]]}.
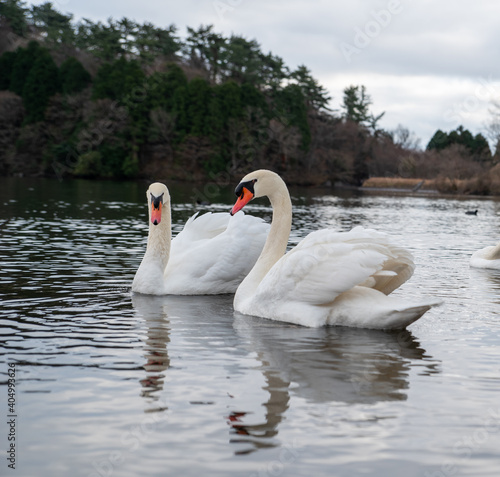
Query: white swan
{"points": [[488, 257], [329, 278], [205, 258]]}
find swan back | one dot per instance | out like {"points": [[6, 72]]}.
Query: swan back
{"points": [[488, 257], [213, 253]]}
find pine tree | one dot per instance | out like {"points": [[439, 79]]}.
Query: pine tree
{"points": [[25, 59], [56, 25], [356, 104], [15, 14], [179, 109], [477, 145], [438, 141], [161, 87], [118, 80], [74, 77], [7, 61], [198, 96], [290, 109], [41, 83]]}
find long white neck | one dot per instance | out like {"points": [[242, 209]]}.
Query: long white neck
{"points": [[276, 243], [159, 238], [149, 276]]}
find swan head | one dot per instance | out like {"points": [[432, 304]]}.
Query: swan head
{"points": [[157, 197], [261, 183]]}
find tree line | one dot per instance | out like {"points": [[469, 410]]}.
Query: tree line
{"points": [[123, 99]]}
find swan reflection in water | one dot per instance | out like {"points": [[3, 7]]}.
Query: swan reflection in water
{"points": [[327, 366], [162, 315], [155, 344], [485, 283], [320, 365]]}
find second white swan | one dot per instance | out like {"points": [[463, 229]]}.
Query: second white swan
{"points": [[488, 257], [205, 258], [329, 278]]}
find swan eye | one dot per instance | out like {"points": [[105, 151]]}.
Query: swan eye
{"points": [[240, 188]]}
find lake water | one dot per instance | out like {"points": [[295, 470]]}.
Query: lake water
{"points": [[112, 384]]}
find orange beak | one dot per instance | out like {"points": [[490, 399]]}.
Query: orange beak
{"points": [[243, 200], [156, 213]]}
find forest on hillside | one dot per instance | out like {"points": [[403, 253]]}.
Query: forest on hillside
{"points": [[127, 100]]}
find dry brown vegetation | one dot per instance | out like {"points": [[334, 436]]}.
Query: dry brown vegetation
{"points": [[399, 183], [485, 183]]}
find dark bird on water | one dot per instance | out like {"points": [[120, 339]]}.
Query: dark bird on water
{"points": [[471, 212]]}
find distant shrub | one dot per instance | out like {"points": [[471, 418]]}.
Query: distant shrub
{"points": [[130, 166], [88, 165]]}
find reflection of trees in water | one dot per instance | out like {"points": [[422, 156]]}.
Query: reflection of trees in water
{"points": [[326, 365]]}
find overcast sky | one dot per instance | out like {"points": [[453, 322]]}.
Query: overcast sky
{"points": [[429, 65]]}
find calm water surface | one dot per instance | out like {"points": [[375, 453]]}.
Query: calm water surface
{"points": [[112, 384]]}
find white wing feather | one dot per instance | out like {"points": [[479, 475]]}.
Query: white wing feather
{"points": [[213, 253], [327, 263]]}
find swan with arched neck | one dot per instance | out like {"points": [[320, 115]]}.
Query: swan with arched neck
{"points": [[329, 278]]}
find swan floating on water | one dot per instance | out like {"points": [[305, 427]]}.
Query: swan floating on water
{"points": [[205, 258], [329, 278], [488, 257]]}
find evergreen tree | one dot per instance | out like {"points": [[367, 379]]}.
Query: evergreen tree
{"points": [[25, 59], [251, 97], [229, 98], [118, 80], [316, 95], [14, 12], [225, 104], [151, 42], [356, 104], [161, 87], [104, 41], [56, 25], [179, 109], [112, 159], [242, 60], [480, 146], [74, 77], [205, 49], [7, 61], [272, 71], [438, 141], [290, 108], [198, 99], [42, 82], [477, 145]]}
